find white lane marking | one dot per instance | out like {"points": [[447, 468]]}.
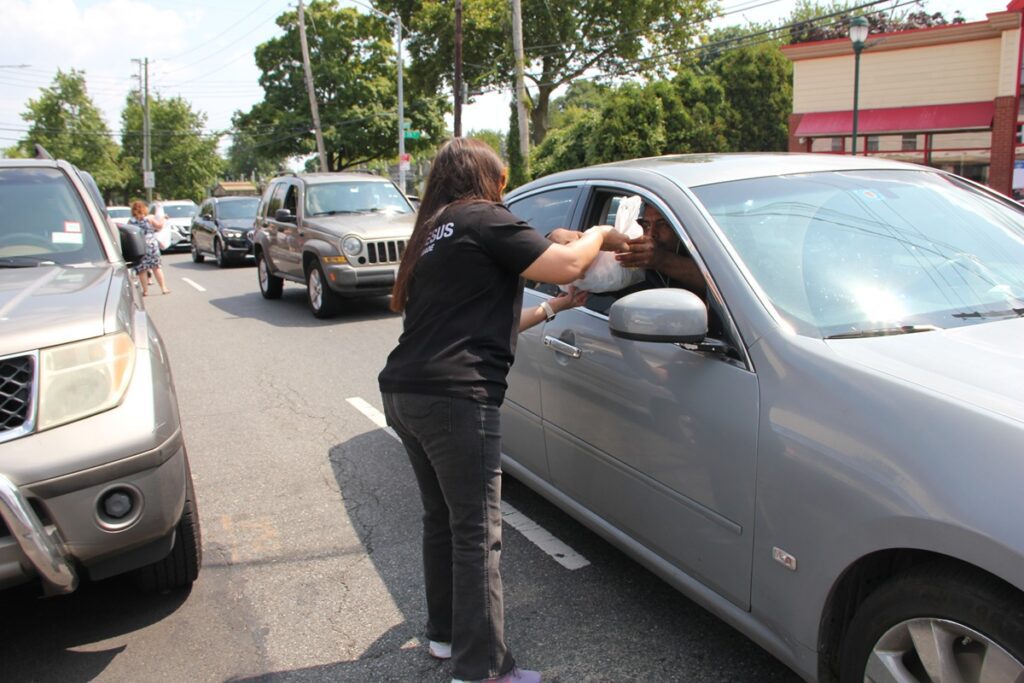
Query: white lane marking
{"points": [[533, 532], [197, 286]]}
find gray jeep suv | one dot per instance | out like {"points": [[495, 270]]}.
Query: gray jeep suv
{"points": [[341, 234], [93, 471]]}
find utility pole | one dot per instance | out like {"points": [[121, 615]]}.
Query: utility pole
{"points": [[401, 104], [309, 88], [147, 162], [517, 45], [458, 69]]}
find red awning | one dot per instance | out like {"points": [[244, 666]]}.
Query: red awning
{"points": [[936, 118]]}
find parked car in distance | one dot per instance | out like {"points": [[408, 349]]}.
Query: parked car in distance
{"points": [[223, 228], [341, 234], [825, 448], [94, 475], [178, 214], [119, 214]]}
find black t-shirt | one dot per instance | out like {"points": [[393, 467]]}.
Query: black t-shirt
{"points": [[465, 297]]}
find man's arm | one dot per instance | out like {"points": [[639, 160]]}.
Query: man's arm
{"points": [[642, 252]]}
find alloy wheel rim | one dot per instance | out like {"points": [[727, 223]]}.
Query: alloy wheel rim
{"points": [[316, 289], [264, 275], [219, 253], [928, 650]]}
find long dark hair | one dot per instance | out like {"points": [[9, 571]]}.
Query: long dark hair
{"points": [[464, 170]]}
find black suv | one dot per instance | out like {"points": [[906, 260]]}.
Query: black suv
{"points": [[341, 234], [224, 229]]}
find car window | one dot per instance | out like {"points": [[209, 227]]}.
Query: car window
{"points": [[291, 199], [355, 196], [119, 212], [177, 210], [545, 211], [276, 199], [206, 209], [237, 209], [42, 218], [843, 253]]}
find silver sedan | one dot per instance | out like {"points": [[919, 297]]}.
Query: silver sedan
{"points": [[824, 443]]}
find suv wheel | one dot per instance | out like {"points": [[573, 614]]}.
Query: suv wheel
{"points": [[218, 254], [322, 299], [181, 566], [270, 284], [197, 256]]}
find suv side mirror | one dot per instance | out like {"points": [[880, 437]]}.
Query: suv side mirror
{"points": [[133, 244], [284, 216], [207, 217]]}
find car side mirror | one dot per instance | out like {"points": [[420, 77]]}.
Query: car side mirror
{"points": [[667, 315], [133, 244], [207, 217], [284, 216]]}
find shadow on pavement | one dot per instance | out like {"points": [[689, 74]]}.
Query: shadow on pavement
{"points": [[291, 309], [44, 633]]}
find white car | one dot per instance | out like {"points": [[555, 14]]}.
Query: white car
{"points": [[119, 214], [178, 216]]}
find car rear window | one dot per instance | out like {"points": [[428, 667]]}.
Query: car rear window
{"points": [[42, 218]]}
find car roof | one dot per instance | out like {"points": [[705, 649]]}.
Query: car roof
{"points": [[229, 199], [333, 177], [173, 202], [45, 163], [694, 170]]}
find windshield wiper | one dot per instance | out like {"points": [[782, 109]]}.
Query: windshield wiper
{"points": [[1019, 312], [334, 212], [884, 331], [24, 262]]}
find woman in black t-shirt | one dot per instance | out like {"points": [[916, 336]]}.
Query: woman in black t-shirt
{"points": [[460, 287]]}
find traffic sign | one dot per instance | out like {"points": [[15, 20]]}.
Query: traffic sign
{"points": [[413, 134], [149, 179]]}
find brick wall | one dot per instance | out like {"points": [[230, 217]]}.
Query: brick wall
{"points": [[794, 142], [1004, 137]]}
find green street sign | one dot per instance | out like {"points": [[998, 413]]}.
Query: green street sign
{"points": [[413, 134]]}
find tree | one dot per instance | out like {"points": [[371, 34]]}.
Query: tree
{"points": [[809, 28], [185, 160], [246, 155], [64, 120], [696, 112], [495, 139], [566, 39], [565, 147], [757, 82], [631, 125], [354, 74]]}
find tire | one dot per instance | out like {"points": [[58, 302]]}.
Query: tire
{"points": [[218, 254], [974, 621], [322, 300], [197, 256], [270, 285], [181, 566]]}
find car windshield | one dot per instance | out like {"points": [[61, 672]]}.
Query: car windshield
{"points": [[328, 199], [179, 210], [242, 208], [119, 213], [43, 220], [875, 252]]}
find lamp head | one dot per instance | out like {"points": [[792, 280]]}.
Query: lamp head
{"points": [[859, 30]]}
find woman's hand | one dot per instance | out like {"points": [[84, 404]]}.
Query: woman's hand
{"points": [[566, 300]]}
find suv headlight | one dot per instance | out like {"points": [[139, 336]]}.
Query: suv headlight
{"points": [[352, 245], [84, 378]]}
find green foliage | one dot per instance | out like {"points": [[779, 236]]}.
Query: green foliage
{"points": [[246, 156], [354, 74], [807, 29], [64, 120], [631, 125], [185, 160], [580, 95], [564, 39], [696, 113], [495, 139], [758, 87], [565, 147]]}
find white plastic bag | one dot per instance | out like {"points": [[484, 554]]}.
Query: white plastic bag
{"points": [[606, 274], [163, 235]]}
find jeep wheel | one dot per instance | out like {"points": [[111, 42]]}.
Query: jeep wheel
{"points": [[197, 256], [322, 299], [270, 284], [181, 566], [937, 624]]}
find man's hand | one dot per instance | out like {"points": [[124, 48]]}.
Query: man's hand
{"points": [[640, 252]]}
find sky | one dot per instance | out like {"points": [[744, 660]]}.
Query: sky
{"points": [[203, 51]]}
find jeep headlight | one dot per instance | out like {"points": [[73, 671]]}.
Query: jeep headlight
{"points": [[84, 378], [352, 245]]}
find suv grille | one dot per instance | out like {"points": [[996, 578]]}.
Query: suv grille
{"points": [[385, 251], [15, 391]]}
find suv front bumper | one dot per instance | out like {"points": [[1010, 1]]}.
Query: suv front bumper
{"points": [[363, 281]]}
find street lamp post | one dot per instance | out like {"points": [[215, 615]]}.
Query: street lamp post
{"points": [[858, 36]]}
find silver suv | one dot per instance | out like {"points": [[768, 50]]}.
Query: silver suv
{"points": [[341, 234], [93, 471]]}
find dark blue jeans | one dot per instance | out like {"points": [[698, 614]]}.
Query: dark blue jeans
{"points": [[454, 446]]}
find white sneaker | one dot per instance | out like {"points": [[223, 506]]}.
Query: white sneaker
{"points": [[440, 650]]}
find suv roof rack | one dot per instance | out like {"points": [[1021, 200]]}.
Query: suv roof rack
{"points": [[41, 152]]}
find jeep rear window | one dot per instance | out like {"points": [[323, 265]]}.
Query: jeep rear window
{"points": [[43, 219], [328, 199]]}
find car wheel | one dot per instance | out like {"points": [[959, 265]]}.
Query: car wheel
{"points": [[218, 254], [270, 284], [197, 256], [937, 624], [322, 299], [181, 566]]}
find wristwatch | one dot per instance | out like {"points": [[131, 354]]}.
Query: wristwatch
{"points": [[549, 312]]}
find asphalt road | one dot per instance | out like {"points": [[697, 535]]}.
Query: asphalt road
{"points": [[310, 521]]}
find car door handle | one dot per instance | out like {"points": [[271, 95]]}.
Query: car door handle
{"points": [[559, 346]]}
